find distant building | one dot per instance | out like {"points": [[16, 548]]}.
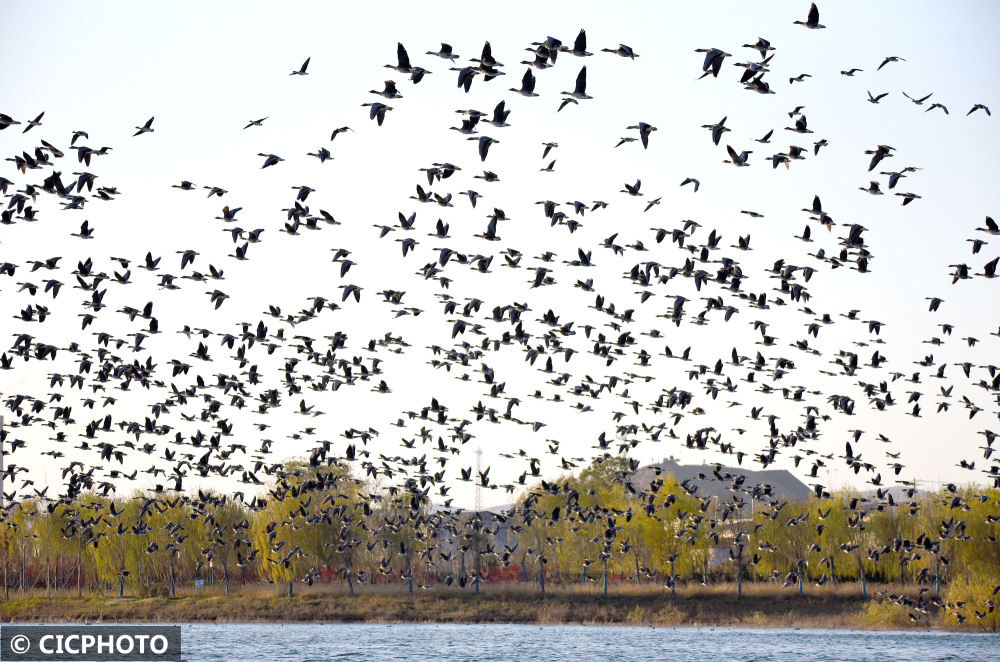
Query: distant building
{"points": [[725, 482]]}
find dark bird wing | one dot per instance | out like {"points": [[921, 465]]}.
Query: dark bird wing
{"points": [[814, 14]]}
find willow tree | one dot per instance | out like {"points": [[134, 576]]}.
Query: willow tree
{"points": [[276, 540], [111, 558], [227, 536]]}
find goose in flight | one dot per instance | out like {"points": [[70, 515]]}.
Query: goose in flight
{"points": [[876, 99], [486, 59], [919, 101], [937, 105], [468, 125], [565, 102], [873, 188], [812, 21], [759, 85], [145, 128], [270, 160], [978, 106], [991, 227], [323, 154], [579, 46], [644, 130], [713, 61], [86, 232], [633, 189], [465, 76], [580, 91], [990, 268], [402, 60], [717, 129], [851, 72], [6, 120], [251, 123], [893, 176], [337, 132], [739, 160], [473, 196], [762, 46], [542, 57], [389, 92], [228, 214], [301, 71], [691, 180], [500, 114], [622, 50], [35, 122], [879, 153], [444, 53], [800, 125], [891, 58], [484, 145], [527, 85], [377, 111]]}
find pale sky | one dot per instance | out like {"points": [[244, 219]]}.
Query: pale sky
{"points": [[205, 70]]}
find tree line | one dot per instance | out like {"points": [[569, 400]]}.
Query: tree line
{"points": [[323, 525]]}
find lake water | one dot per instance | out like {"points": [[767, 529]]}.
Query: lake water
{"points": [[521, 643]]}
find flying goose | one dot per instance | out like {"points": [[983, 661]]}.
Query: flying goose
{"points": [[145, 128], [251, 123], [812, 22], [739, 160], [580, 91], [527, 84], [891, 58], [717, 129], [713, 61], [622, 50], [445, 52], [762, 46], [402, 60], [579, 45], [377, 111], [644, 130]]}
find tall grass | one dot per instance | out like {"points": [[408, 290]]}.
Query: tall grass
{"points": [[762, 605]]}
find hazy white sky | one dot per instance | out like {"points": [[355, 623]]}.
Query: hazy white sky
{"points": [[205, 71]]}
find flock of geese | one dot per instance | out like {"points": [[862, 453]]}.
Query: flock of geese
{"points": [[196, 426]]}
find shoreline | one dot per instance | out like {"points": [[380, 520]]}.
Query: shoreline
{"points": [[769, 608]]}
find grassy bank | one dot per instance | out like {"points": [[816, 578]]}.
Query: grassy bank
{"points": [[760, 606]]}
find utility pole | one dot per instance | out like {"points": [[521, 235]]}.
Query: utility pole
{"points": [[3, 514], [479, 510], [479, 480], [1, 463]]}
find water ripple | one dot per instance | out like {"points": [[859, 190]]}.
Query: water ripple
{"points": [[526, 643]]}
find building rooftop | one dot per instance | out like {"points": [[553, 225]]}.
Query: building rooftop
{"points": [[722, 481]]}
